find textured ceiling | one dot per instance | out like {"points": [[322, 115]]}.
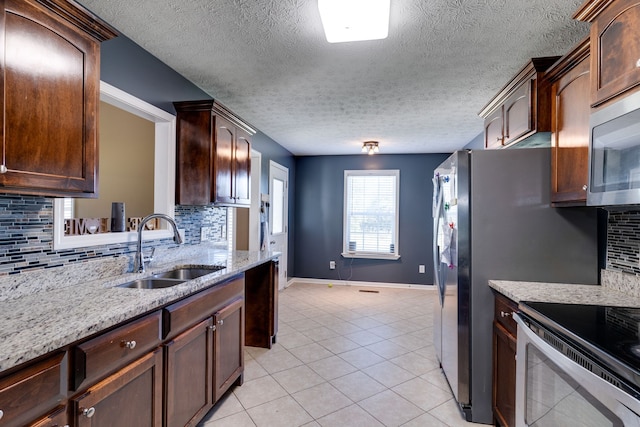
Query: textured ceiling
{"points": [[418, 91]]}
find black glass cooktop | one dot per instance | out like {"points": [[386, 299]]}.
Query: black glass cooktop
{"points": [[609, 334]]}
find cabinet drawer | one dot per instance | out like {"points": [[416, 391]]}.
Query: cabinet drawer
{"points": [[187, 312], [57, 418], [106, 353], [32, 391], [504, 309]]}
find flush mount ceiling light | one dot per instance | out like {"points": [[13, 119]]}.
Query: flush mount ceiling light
{"points": [[370, 147], [354, 20]]}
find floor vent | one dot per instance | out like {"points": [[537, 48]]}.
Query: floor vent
{"points": [[370, 291]]}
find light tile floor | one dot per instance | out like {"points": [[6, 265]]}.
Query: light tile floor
{"points": [[344, 358]]}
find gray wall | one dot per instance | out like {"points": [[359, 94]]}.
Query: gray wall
{"points": [[319, 214]]}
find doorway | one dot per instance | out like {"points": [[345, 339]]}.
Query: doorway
{"points": [[278, 216]]}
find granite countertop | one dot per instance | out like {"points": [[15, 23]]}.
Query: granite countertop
{"points": [[49, 309], [617, 289]]}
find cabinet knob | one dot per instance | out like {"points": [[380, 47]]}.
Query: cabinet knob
{"points": [[89, 412], [1, 414], [504, 314], [129, 344], [3, 169], [221, 322], [584, 187], [638, 63], [212, 327]]}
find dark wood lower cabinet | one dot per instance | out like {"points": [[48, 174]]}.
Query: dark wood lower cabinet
{"points": [[57, 418], [188, 375], [504, 361], [130, 397], [504, 372], [261, 294], [167, 368], [228, 347]]}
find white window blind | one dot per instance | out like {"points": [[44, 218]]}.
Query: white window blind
{"points": [[371, 214]]}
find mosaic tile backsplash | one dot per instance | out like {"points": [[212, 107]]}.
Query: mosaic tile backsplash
{"points": [[26, 234], [623, 241]]}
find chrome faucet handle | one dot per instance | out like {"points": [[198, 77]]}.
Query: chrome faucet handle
{"points": [[150, 257]]}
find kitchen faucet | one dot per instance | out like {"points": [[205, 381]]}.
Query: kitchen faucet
{"points": [[140, 259]]}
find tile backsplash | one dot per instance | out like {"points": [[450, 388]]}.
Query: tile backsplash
{"points": [[26, 234], [623, 241]]}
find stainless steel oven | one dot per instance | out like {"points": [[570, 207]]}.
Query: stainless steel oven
{"points": [[561, 383]]}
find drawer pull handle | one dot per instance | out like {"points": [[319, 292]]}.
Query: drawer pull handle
{"points": [[89, 412], [504, 314], [129, 344]]}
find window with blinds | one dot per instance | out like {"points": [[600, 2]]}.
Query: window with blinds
{"points": [[371, 214]]}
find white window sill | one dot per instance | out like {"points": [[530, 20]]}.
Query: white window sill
{"points": [[370, 255]]}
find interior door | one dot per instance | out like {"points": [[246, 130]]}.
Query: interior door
{"points": [[278, 216]]}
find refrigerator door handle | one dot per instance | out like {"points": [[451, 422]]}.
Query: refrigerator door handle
{"points": [[438, 196]]}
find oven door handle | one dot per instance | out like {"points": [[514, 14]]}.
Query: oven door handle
{"points": [[616, 400]]}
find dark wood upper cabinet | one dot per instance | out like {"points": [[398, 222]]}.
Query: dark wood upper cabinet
{"points": [[213, 155], [570, 112], [50, 66], [615, 47], [521, 108]]}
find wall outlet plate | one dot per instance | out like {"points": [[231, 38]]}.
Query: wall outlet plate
{"points": [[421, 269], [332, 265]]}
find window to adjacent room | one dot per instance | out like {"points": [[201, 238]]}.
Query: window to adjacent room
{"points": [[370, 228]]}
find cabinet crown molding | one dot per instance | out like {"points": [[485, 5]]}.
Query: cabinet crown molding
{"points": [[79, 16], [569, 60], [217, 108], [590, 9], [535, 65]]}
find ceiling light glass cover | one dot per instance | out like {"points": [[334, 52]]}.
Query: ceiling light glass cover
{"points": [[370, 147], [354, 20]]}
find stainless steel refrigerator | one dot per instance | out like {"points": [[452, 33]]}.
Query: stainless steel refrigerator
{"points": [[493, 220]]}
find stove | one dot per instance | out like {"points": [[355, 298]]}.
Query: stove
{"points": [[607, 337]]}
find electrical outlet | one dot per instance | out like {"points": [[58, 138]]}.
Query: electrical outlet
{"points": [[332, 265], [421, 269]]}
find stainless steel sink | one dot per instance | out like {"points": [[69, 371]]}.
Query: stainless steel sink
{"points": [[170, 278], [186, 273], [151, 283]]}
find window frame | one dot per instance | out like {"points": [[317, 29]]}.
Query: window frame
{"points": [[346, 253]]}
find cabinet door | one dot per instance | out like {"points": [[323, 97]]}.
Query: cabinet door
{"points": [[228, 347], [130, 397], [504, 376], [493, 130], [615, 36], [242, 172], [50, 85], [570, 111], [33, 391], [223, 168], [188, 387], [194, 158], [518, 119]]}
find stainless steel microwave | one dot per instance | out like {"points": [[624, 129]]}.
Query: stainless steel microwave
{"points": [[614, 154]]}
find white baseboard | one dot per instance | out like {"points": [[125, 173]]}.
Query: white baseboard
{"points": [[326, 282]]}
